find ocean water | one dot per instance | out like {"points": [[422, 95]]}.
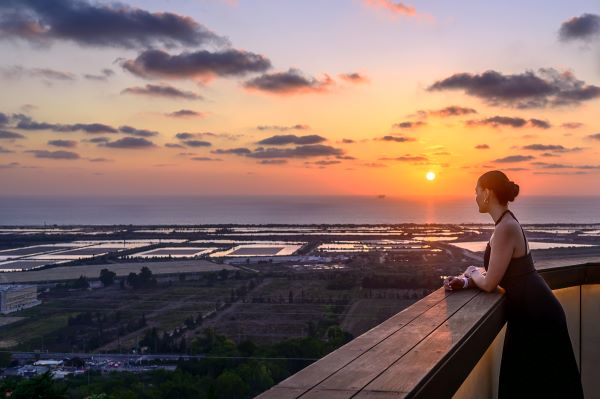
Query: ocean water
{"points": [[35, 211]]}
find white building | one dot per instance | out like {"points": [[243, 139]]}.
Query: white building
{"points": [[16, 297]]}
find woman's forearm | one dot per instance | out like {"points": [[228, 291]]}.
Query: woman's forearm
{"points": [[479, 280]]}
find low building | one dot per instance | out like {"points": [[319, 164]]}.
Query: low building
{"points": [[15, 297]]}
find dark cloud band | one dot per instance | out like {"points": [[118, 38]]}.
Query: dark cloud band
{"points": [[546, 88], [231, 62], [95, 24]]}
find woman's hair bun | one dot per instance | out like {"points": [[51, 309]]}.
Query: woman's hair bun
{"points": [[505, 189], [514, 190]]}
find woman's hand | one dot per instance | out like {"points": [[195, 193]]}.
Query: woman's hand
{"points": [[453, 283], [472, 269], [469, 270]]}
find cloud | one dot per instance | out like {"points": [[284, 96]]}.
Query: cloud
{"points": [[452, 110], [19, 72], [375, 165], [137, 132], [594, 136], [185, 136], [395, 7], [514, 122], [4, 119], [353, 77], [26, 123], [323, 162], [291, 82], [130, 143], [102, 77], [205, 159], [572, 125], [482, 146], [348, 141], [5, 151], [236, 151], [97, 140], [409, 125], [292, 139], [96, 24], [546, 165], [546, 88], [303, 151], [584, 27], [185, 113], [9, 165], [283, 128], [397, 139], [8, 135], [174, 145], [550, 147], [578, 172], [197, 143], [540, 123], [63, 143], [92, 128], [405, 158], [100, 159], [198, 64], [161, 90], [67, 155], [514, 158], [272, 161]]}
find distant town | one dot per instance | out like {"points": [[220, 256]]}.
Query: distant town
{"points": [[90, 303]]}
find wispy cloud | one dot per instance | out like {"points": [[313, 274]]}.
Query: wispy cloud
{"points": [[292, 81], [292, 139], [59, 155], [395, 7], [514, 122], [162, 90], [130, 143], [514, 158], [185, 113]]}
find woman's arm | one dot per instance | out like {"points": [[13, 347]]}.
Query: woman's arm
{"points": [[500, 256]]}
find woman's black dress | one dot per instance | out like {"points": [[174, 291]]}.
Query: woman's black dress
{"points": [[537, 358]]}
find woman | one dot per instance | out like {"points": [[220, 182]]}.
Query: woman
{"points": [[537, 357]]}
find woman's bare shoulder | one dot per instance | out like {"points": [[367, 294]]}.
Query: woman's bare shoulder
{"points": [[508, 231]]}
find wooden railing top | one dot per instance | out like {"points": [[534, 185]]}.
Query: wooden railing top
{"points": [[421, 351]]}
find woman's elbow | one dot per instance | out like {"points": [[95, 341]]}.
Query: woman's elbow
{"points": [[489, 288]]}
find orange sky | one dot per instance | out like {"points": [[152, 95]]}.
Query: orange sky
{"points": [[344, 112]]}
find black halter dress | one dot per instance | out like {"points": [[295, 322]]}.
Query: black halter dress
{"points": [[537, 357]]}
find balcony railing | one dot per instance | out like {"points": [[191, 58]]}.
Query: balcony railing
{"points": [[449, 344]]}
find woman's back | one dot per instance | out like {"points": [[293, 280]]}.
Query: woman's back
{"points": [[537, 347]]}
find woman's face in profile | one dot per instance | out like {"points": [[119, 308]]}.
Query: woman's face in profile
{"points": [[479, 198]]}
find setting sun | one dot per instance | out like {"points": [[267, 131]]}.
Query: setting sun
{"points": [[430, 176]]}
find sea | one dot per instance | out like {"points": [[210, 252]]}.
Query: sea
{"points": [[197, 210]]}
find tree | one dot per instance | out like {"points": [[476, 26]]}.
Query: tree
{"points": [[133, 280], [41, 387], [107, 277], [5, 359], [81, 282], [223, 274], [230, 386]]}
